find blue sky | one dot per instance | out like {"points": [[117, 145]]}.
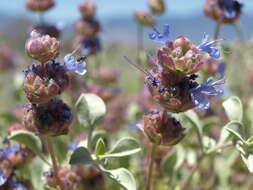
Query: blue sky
{"points": [[66, 10]]}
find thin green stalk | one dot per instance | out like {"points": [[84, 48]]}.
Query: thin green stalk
{"points": [[139, 43], [217, 30], [55, 165], [151, 163]]}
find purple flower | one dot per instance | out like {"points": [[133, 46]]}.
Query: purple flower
{"points": [[200, 93], [8, 150], [3, 178], [15, 185], [209, 47], [77, 66], [160, 37], [90, 46], [231, 7]]}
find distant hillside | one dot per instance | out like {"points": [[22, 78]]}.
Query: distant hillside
{"points": [[13, 29]]}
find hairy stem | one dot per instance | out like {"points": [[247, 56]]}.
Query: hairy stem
{"points": [[150, 169], [217, 30], [139, 43], [55, 165]]}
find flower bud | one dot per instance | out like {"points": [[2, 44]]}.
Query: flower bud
{"points": [[106, 75], [39, 5], [45, 29], [52, 118], [162, 128], [87, 27], [180, 56], [87, 8], [42, 48], [225, 11], [157, 6], [44, 82], [144, 18]]}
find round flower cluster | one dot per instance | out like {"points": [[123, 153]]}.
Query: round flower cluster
{"points": [[44, 81], [44, 28], [225, 11], [87, 29], [13, 156], [172, 83]]}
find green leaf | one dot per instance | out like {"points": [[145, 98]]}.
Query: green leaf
{"points": [[122, 176], [124, 147], [100, 147], [30, 140], [90, 108], [234, 128], [233, 108], [97, 134], [81, 156], [169, 163], [248, 160], [193, 118]]}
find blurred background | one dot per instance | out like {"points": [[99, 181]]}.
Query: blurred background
{"points": [[184, 16]]}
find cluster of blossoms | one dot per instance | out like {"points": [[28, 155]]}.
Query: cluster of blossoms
{"points": [[172, 83], [87, 29], [42, 6], [225, 11], [13, 156], [44, 81]]}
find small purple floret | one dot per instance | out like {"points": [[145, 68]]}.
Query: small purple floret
{"points": [[209, 47], [200, 93], [160, 37]]}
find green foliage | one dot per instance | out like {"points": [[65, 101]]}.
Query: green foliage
{"points": [[100, 147], [90, 108], [124, 147], [122, 176], [233, 108], [81, 156], [169, 163], [30, 140]]}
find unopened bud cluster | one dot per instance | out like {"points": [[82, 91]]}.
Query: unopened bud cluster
{"points": [[87, 29], [144, 18], [45, 114]]}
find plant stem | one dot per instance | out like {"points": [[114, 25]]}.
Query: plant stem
{"points": [[55, 165], [151, 163], [139, 43], [217, 30], [184, 184]]}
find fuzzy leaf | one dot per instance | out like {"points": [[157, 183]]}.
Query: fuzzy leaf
{"points": [[97, 134], [248, 160], [122, 176], [30, 140], [90, 108], [235, 128], [169, 163], [100, 147], [233, 108], [124, 147], [80, 156]]}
